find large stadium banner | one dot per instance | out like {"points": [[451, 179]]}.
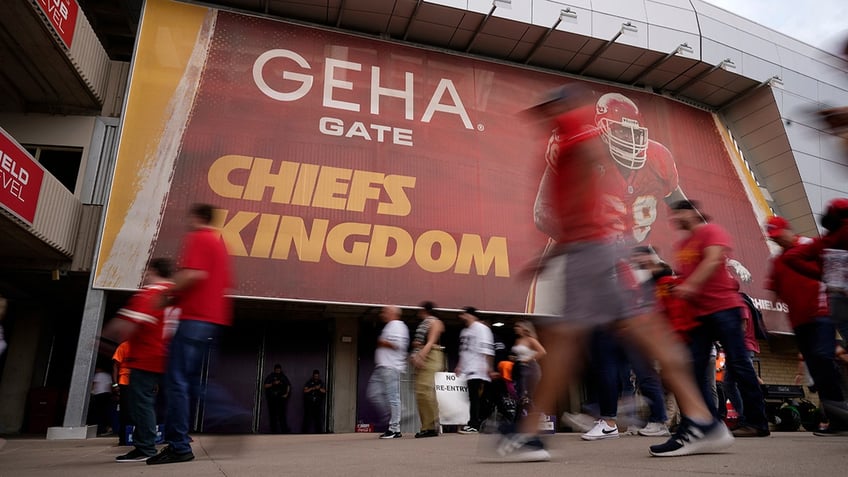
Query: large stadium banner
{"points": [[348, 169]]}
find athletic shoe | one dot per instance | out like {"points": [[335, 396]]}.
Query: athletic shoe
{"points": [[654, 429], [578, 422], [391, 435], [428, 433], [168, 456], [600, 431], [630, 431], [828, 432], [518, 448], [691, 438], [750, 431], [134, 455], [468, 430], [836, 411]]}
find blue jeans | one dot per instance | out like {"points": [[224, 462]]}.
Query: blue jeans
{"points": [[189, 348], [725, 326], [613, 362], [384, 393], [817, 343], [142, 402]]}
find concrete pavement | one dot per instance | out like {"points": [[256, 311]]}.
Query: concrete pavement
{"points": [[782, 454]]}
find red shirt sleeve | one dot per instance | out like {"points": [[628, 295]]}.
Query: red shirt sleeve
{"points": [[141, 308], [195, 256], [806, 259], [712, 234]]}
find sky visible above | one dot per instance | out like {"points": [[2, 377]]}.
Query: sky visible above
{"points": [[821, 23]]}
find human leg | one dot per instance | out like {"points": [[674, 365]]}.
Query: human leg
{"points": [[425, 390], [142, 400], [728, 324]]}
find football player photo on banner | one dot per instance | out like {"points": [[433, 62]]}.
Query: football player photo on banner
{"points": [[353, 170]]}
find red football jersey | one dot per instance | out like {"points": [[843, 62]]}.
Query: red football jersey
{"points": [[594, 196], [721, 290], [148, 346]]}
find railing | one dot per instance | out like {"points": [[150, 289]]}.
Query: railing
{"points": [[57, 216]]}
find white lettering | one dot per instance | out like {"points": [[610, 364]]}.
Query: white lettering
{"points": [[336, 127], [304, 79], [13, 168], [334, 74], [331, 83]]}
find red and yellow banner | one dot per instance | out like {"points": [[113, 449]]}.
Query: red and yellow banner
{"points": [[347, 169]]}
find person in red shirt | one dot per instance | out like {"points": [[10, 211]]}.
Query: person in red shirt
{"points": [[143, 324], [199, 290], [700, 259], [600, 287], [815, 332], [806, 259]]}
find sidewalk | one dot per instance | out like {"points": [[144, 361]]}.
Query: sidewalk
{"points": [[782, 454]]}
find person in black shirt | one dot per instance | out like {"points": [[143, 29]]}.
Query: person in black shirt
{"points": [[313, 404], [277, 391]]}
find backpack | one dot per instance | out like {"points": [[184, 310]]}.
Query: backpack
{"points": [[760, 330]]}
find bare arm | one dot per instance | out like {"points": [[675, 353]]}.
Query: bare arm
{"points": [[536, 346]]}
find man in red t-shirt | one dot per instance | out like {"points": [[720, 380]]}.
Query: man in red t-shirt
{"points": [[144, 325], [700, 259], [199, 290], [814, 329]]}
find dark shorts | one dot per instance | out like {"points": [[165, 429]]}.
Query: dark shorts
{"points": [[600, 287]]}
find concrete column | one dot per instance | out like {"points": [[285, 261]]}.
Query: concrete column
{"points": [[74, 426], [343, 386], [17, 372]]}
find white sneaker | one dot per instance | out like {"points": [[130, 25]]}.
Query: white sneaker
{"points": [[600, 431], [654, 429], [468, 430], [516, 448], [578, 422], [691, 438]]}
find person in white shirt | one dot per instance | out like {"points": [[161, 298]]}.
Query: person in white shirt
{"points": [[390, 360], [476, 364]]}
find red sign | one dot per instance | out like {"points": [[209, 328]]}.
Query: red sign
{"points": [[62, 14], [346, 169], [20, 179]]}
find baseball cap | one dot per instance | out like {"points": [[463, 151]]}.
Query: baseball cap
{"points": [[835, 214], [775, 225]]}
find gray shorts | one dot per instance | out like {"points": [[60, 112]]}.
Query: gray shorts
{"points": [[599, 285]]}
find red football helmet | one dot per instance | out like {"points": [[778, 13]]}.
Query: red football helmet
{"points": [[621, 128]]}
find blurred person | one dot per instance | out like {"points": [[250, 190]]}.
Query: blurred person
{"points": [[314, 393], [476, 364], [199, 290], [527, 373], [277, 391], [142, 323], [808, 259], [427, 358], [641, 170], [389, 363], [599, 286], [121, 389], [701, 259], [815, 333], [100, 402]]}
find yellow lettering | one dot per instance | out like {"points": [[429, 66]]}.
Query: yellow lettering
{"points": [[399, 203], [378, 252], [308, 245], [471, 251], [336, 243], [424, 251], [265, 233], [218, 176], [305, 184], [330, 192], [361, 189], [261, 178], [231, 231]]}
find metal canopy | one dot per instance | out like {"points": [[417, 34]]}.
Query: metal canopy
{"points": [[415, 21]]}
